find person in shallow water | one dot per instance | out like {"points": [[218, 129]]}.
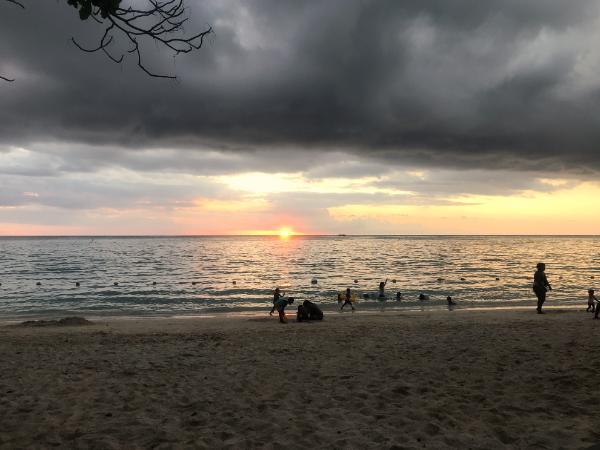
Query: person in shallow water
{"points": [[540, 286], [382, 288], [280, 307], [348, 300]]}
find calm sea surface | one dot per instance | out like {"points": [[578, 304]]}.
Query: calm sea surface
{"points": [[196, 275]]}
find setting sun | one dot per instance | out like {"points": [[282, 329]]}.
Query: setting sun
{"points": [[284, 232]]}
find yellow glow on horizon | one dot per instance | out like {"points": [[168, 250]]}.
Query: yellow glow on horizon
{"points": [[565, 211], [283, 232]]}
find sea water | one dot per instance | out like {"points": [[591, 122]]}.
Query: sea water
{"points": [[196, 275]]}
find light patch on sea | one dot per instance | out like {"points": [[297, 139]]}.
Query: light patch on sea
{"points": [[202, 275]]}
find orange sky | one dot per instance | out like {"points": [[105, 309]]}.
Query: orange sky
{"points": [[567, 208]]}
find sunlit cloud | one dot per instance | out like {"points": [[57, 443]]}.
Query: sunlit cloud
{"points": [[263, 183], [566, 211], [232, 206]]}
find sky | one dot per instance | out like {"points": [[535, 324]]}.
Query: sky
{"points": [[338, 116]]}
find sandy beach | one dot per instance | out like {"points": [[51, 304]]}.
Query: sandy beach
{"points": [[461, 379]]}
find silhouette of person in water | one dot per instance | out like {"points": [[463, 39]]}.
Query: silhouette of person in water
{"points": [[540, 286], [591, 299], [348, 300], [382, 288]]}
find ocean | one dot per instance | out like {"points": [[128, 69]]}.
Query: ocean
{"points": [[200, 275]]}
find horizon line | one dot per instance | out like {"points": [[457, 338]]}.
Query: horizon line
{"points": [[290, 236]]}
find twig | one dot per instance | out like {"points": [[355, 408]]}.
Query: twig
{"points": [[15, 2]]}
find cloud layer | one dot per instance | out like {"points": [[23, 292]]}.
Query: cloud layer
{"points": [[467, 83]]}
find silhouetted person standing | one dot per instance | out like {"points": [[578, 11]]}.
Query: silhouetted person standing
{"points": [[382, 289], [591, 299], [348, 300], [540, 286]]}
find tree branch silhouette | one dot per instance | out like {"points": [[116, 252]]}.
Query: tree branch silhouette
{"points": [[15, 2], [162, 22]]}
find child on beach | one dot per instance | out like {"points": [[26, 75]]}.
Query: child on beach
{"points": [[382, 288], [540, 286], [591, 299], [348, 300], [280, 307]]}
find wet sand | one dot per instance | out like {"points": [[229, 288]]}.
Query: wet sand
{"points": [[461, 379]]}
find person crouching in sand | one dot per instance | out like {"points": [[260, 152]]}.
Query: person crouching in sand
{"points": [[280, 307], [348, 300], [591, 299], [540, 286]]}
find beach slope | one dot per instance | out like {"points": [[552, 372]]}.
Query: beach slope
{"points": [[493, 379]]}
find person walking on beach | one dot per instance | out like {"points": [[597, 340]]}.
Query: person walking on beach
{"points": [[348, 300], [382, 288], [280, 307], [591, 299], [540, 286]]}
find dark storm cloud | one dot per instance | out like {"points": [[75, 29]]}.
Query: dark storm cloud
{"points": [[468, 84]]}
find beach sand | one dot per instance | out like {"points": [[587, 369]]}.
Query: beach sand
{"points": [[492, 379]]}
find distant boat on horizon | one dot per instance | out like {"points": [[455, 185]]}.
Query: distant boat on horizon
{"points": [[341, 234]]}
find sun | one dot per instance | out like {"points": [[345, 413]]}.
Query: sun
{"points": [[284, 232]]}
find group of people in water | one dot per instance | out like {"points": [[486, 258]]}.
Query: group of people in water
{"points": [[310, 311]]}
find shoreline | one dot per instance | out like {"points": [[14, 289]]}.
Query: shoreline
{"points": [[329, 309]]}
